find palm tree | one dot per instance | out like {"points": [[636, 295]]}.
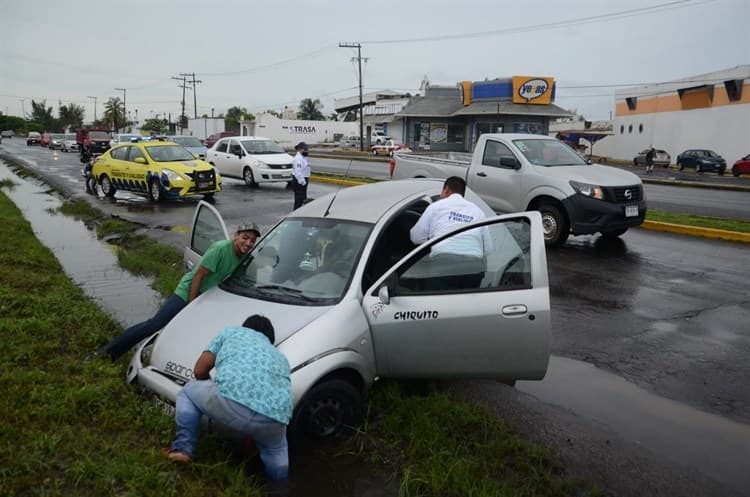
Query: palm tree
{"points": [[113, 115], [310, 110], [71, 115], [42, 114]]}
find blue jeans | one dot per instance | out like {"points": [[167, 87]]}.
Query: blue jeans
{"points": [[202, 397], [130, 337]]}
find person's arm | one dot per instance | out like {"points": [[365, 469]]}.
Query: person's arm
{"points": [[203, 365], [195, 285], [420, 232]]}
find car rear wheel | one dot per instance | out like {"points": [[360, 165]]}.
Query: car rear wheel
{"points": [[107, 187], [330, 409], [154, 190], [680, 165], [555, 225], [247, 175]]}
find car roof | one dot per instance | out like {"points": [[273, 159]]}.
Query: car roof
{"points": [[368, 203]]}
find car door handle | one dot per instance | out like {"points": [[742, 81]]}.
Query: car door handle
{"points": [[514, 310], [482, 174]]}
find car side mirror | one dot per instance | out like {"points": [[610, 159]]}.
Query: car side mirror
{"points": [[384, 295], [511, 162], [140, 160]]}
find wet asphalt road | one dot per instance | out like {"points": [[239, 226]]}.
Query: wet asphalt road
{"points": [[667, 313]]}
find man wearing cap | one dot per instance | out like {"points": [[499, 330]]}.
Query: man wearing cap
{"points": [[219, 261], [300, 174]]}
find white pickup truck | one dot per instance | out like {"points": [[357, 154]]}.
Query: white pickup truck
{"points": [[523, 172]]}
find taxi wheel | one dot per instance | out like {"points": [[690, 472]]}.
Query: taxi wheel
{"points": [[107, 187], [154, 190], [330, 409], [247, 175]]}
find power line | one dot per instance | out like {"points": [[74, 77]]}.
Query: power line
{"points": [[677, 4], [307, 55], [195, 98]]}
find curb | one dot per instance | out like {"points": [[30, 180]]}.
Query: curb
{"points": [[693, 184], [733, 236], [364, 158]]}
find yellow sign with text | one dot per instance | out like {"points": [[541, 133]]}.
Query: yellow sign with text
{"points": [[532, 90]]}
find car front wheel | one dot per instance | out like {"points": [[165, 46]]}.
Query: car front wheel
{"points": [[722, 171], [107, 187], [735, 171], [247, 175], [555, 225], [154, 190], [330, 409], [680, 165]]}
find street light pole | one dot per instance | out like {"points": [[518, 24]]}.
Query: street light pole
{"points": [[94, 107]]}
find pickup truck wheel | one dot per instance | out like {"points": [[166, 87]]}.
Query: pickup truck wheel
{"points": [[555, 225], [154, 190], [247, 175], [107, 187], [331, 409]]}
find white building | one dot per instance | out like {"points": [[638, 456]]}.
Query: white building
{"points": [[289, 132], [705, 111], [380, 109]]}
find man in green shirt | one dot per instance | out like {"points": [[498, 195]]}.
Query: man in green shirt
{"points": [[219, 261]]}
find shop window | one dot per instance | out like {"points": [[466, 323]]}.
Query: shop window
{"points": [[631, 101]]}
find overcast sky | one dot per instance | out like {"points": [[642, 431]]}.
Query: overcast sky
{"points": [[262, 54]]}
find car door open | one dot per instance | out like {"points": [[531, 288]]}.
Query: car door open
{"points": [[207, 227], [449, 311]]}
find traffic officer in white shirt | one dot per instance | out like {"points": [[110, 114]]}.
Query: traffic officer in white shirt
{"points": [[461, 258], [300, 174]]}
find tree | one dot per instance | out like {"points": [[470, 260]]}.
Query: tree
{"points": [[11, 122], [236, 114], [310, 110], [71, 115], [274, 113], [42, 115], [157, 126], [113, 113]]}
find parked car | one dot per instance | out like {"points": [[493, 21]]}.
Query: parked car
{"points": [[119, 138], [56, 140], [742, 166], [33, 138], [342, 285], [661, 158], [92, 142], [702, 160], [378, 138], [155, 168], [191, 143], [45, 140], [69, 143], [212, 139], [251, 158], [351, 141], [8, 133], [388, 148]]}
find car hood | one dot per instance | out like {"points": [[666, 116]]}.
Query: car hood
{"points": [[188, 334], [591, 173], [273, 159]]}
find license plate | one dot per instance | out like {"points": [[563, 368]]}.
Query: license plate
{"points": [[631, 210], [202, 185]]}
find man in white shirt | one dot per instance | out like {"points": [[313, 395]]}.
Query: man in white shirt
{"points": [[300, 174], [461, 257]]}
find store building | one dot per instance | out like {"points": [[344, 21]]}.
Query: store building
{"points": [[705, 111], [380, 110], [451, 118]]}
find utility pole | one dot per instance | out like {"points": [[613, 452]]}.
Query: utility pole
{"points": [[358, 46], [183, 86], [195, 98], [124, 115], [94, 107]]}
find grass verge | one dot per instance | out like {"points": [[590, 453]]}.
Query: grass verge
{"points": [[78, 429], [699, 221]]}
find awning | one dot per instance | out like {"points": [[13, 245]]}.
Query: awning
{"points": [[577, 134]]}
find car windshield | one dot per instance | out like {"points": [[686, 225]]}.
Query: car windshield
{"points": [[302, 261], [169, 153], [58, 136], [707, 153], [549, 153], [70, 137], [257, 147], [186, 141]]}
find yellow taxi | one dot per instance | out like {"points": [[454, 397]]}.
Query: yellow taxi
{"points": [[159, 169]]}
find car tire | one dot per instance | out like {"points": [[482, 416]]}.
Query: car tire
{"points": [[680, 165], [555, 225], [374, 152], [90, 184], [735, 171], [722, 171], [635, 162], [154, 190], [247, 175], [107, 187], [331, 409], [614, 233], [698, 168]]}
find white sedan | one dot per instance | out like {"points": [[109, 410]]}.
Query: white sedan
{"points": [[352, 299], [252, 159]]}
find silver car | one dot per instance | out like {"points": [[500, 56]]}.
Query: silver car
{"points": [[352, 300], [661, 158], [69, 143]]}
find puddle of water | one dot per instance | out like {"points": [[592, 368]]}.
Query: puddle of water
{"points": [[92, 265], [89, 263], [717, 447]]}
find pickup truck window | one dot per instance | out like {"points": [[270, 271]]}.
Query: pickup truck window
{"points": [[548, 153], [493, 151]]}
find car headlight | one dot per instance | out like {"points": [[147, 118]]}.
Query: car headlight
{"points": [[261, 165], [171, 175], [588, 190]]}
